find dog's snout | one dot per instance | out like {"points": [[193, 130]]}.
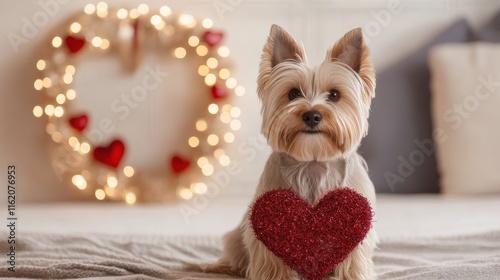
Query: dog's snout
{"points": [[312, 118]]}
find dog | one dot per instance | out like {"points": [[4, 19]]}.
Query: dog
{"points": [[314, 119]]}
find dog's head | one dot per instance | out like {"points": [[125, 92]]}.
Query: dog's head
{"points": [[315, 113]]}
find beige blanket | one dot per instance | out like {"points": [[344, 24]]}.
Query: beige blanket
{"points": [[101, 256]]}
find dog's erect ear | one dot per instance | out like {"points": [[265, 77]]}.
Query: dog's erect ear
{"points": [[352, 51], [349, 49], [281, 47]]}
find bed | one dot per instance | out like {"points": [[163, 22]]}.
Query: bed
{"points": [[422, 237]]}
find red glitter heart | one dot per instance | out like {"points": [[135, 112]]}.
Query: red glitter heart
{"points": [[179, 164], [219, 92], [311, 239], [110, 155], [212, 38], [74, 44], [79, 123]]}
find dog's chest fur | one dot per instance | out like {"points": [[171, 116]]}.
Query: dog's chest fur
{"points": [[312, 179]]}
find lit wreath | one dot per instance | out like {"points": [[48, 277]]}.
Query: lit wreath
{"points": [[98, 169]]}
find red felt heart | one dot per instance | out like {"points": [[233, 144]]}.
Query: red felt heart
{"points": [[79, 122], [110, 155], [219, 92], [212, 38], [311, 239], [74, 44], [179, 164]]}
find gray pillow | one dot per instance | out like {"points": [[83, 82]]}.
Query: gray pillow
{"points": [[490, 32], [399, 149]]}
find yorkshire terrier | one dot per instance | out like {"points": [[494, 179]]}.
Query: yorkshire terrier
{"points": [[314, 119]]}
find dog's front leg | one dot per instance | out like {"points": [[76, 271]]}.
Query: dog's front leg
{"points": [[263, 264]]}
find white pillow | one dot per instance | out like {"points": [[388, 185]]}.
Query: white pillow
{"points": [[465, 88]]}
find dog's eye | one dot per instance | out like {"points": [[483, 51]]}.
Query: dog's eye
{"points": [[294, 93], [334, 95]]}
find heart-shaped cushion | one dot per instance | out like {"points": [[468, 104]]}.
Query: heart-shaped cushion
{"points": [[311, 239]]}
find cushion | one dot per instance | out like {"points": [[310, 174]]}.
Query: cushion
{"points": [[399, 148], [466, 114], [490, 31]]}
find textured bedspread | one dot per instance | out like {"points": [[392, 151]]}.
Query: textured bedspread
{"points": [[43, 255]]}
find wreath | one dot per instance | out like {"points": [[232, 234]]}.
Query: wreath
{"points": [[98, 168]]}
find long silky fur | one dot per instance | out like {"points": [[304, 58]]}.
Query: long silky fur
{"points": [[309, 164]]}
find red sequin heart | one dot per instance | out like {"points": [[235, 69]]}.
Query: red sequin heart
{"points": [[212, 38], [79, 123], [110, 155], [179, 164], [74, 44], [219, 92], [311, 239]]}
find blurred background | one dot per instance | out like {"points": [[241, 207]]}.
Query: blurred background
{"points": [[394, 30]]}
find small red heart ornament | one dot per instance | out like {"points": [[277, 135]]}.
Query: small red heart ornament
{"points": [[110, 155], [219, 92], [79, 122], [212, 38], [311, 239], [179, 164], [74, 44]]}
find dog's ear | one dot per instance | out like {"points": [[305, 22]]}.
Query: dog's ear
{"points": [[280, 47], [349, 49], [352, 51]]}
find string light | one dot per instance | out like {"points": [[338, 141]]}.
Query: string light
{"points": [[40, 64], [193, 142], [128, 171], [185, 193], [229, 137], [224, 160], [85, 148], [38, 111], [213, 109], [201, 50], [70, 94], [165, 11], [56, 42], [202, 161], [187, 20], [201, 125], [130, 198], [203, 70], [75, 27], [38, 84], [100, 194], [235, 112], [193, 41], [207, 23], [207, 136], [239, 90], [122, 14], [212, 139], [223, 51], [180, 52], [200, 188], [89, 9], [143, 9]]}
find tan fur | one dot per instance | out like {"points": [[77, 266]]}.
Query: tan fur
{"points": [[309, 164]]}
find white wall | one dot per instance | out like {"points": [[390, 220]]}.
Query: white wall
{"points": [[246, 22]]}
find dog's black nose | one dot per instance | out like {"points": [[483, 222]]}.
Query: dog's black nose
{"points": [[312, 118]]}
